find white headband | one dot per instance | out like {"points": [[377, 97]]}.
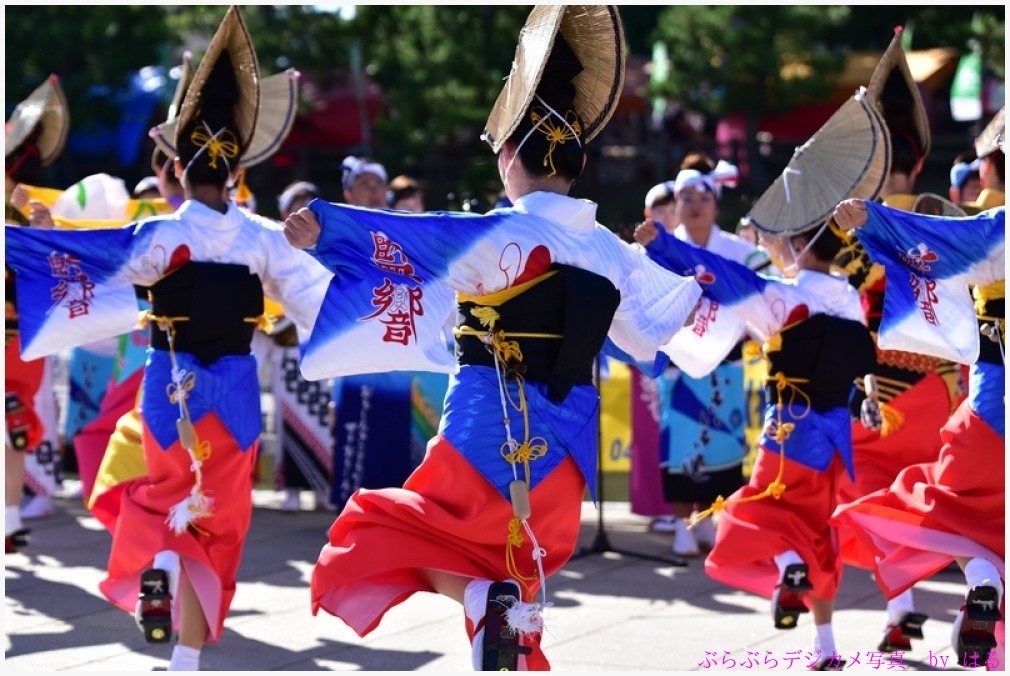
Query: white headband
{"points": [[724, 174], [658, 192], [354, 167]]}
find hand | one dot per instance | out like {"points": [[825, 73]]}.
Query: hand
{"points": [[302, 229], [850, 214], [19, 197], [40, 217], [646, 232]]}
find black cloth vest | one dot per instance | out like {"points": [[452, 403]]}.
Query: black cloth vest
{"points": [[829, 352], [989, 349], [573, 303], [217, 298]]}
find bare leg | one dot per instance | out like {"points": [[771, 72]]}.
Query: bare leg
{"points": [[962, 561], [446, 584], [14, 467], [682, 510], [192, 623], [822, 610]]}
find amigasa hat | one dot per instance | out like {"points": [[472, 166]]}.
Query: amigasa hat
{"points": [[160, 156], [46, 106], [848, 157], [596, 36], [991, 139], [232, 38], [276, 103], [895, 93]]}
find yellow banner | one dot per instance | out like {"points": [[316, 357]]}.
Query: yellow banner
{"points": [[755, 371], [615, 422]]}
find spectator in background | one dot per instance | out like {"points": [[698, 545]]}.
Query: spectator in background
{"points": [[296, 196], [965, 181], [365, 182], [405, 194], [992, 163], [660, 205], [700, 457], [303, 456], [147, 189]]}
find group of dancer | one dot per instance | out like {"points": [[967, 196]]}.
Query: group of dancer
{"points": [[539, 288]]}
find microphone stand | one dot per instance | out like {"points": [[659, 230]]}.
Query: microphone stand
{"points": [[601, 543]]}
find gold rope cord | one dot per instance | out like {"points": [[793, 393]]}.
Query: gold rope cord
{"points": [[777, 430], [509, 354]]}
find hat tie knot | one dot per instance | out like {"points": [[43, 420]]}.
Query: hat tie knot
{"points": [[222, 144]]}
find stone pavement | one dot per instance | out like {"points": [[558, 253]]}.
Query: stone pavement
{"points": [[611, 612]]}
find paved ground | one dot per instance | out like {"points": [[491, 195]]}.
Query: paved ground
{"points": [[611, 612]]}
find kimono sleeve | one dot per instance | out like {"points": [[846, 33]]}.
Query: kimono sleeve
{"points": [[735, 301], [654, 305], [73, 287], [930, 263], [296, 280], [390, 295]]}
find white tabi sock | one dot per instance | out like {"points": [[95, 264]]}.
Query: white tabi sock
{"points": [[899, 605], [12, 520], [475, 606], [980, 572], [786, 559], [168, 561], [826, 640], [184, 659]]}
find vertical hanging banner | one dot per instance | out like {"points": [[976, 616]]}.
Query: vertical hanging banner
{"points": [[755, 372], [615, 419], [383, 424]]}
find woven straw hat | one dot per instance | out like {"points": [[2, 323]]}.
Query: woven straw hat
{"points": [[159, 156], [991, 139], [596, 36], [849, 157], [277, 110], [936, 205], [46, 106], [232, 37], [894, 91]]}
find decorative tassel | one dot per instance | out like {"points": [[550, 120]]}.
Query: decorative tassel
{"points": [[195, 506], [893, 420], [243, 195], [718, 505], [525, 619]]}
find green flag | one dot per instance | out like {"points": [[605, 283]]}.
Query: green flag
{"points": [[906, 35], [966, 89], [660, 73]]}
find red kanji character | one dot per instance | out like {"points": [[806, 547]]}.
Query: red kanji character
{"points": [[389, 256], [707, 664], [894, 660], [399, 328], [747, 664], [75, 292], [64, 265], [792, 656], [726, 658], [772, 659]]}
